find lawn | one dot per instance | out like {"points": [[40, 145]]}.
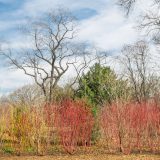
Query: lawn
{"points": [[85, 157]]}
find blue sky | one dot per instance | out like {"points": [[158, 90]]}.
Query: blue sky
{"points": [[101, 23]]}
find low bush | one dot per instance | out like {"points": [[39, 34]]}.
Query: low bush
{"points": [[132, 127], [75, 123], [71, 124]]}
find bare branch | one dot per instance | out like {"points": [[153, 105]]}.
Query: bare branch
{"points": [[127, 5]]}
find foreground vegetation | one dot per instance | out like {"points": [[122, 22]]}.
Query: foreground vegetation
{"points": [[71, 127]]}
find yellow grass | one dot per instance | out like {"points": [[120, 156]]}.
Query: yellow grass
{"points": [[85, 157]]}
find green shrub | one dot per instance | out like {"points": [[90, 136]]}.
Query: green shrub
{"points": [[8, 150]]}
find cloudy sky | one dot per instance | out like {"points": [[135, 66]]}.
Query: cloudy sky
{"points": [[101, 23]]}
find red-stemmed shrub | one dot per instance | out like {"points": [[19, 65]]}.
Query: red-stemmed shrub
{"points": [[75, 123], [50, 111], [132, 127]]}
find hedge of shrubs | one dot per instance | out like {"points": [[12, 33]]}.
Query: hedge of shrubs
{"points": [[69, 125]]}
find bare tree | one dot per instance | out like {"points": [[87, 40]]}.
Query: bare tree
{"points": [[52, 52], [150, 24], [129, 4], [135, 60], [50, 48], [149, 20], [126, 4], [28, 95]]}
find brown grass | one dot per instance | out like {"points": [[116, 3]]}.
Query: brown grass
{"points": [[85, 157]]}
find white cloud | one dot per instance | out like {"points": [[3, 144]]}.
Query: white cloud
{"points": [[11, 79], [11, 24], [34, 8], [108, 30]]}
